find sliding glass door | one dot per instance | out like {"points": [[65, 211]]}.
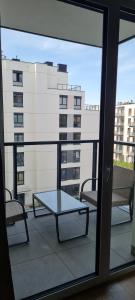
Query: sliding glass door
{"points": [[58, 111]]}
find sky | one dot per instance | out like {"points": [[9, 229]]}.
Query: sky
{"points": [[84, 62]]}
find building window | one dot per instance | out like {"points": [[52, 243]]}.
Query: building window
{"points": [[76, 136], [77, 120], [17, 78], [18, 137], [21, 198], [20, 178], [64, 157], [63, 101], [72, 190], [76, 155], [62, 120], [70, 173], [76, 173], [77, 102], [63, 174], [20, 159], [18, 99], [63, 136], [18, 119]]}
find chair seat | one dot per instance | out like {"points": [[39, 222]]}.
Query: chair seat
{"points": [[14, 212], [117, 200]]}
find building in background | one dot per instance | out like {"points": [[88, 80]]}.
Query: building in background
{"points": [[124, 131], [40, 105]]}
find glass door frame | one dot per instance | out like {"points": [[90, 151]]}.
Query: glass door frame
{"points": [[111, 19]]}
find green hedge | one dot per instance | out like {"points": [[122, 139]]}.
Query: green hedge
{"points": [[123, 164]]}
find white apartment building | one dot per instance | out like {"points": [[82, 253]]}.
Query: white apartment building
{"points": [[40, 105], [124, 130]]}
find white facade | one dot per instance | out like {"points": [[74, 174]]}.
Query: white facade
{"points": [[42, 87]]}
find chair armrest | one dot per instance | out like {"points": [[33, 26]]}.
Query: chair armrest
{"points": [[10, 194], [85, 181]]}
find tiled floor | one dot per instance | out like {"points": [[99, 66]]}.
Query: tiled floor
{"points": [[45, 263]]}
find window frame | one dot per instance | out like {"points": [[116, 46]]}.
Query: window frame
{"points": [[14, 96], [77, 124], [18, 124], [20, 159], [62, 99], [60, 121], [63, 133], [20, 181], [19, 77], [18, 134], [76, 105]]}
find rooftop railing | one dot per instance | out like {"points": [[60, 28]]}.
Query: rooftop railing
{"points": [[68, 87]]}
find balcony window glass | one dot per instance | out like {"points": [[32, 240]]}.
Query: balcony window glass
{"points": [[64, 157], [77, 102], [63, 174], [63, 136], [77, 121], [63, 121], [76, 155], [18, 119], [17, 78], [76, 173], [20, 159], [70, 173], [21, 198], [63, 102], [17, 99], [20, 178], [72, 189]]}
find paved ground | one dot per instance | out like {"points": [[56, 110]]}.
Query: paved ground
{"points": [[45, 263]]}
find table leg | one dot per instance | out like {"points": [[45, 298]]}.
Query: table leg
{"points": [[57, 228], [87, 221], [74, 237], [33, 202]]}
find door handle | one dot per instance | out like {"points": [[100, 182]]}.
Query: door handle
{"points": [[108, 173]]}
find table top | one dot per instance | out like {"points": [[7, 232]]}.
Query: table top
{"points": [[59, 202]]}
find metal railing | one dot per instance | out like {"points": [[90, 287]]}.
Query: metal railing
{"points": [[59, 144], [70, 87]]}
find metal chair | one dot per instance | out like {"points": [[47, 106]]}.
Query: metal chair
{"points": [[15, 212], [122, 194]]}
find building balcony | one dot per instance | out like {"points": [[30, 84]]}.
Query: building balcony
{"points": [[119, 114], [119, 124], [118, 132], [45, 263], [132, 124], [132, 134], [118, 151]]}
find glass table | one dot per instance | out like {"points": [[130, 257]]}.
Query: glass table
{"points": [[59, 203]]}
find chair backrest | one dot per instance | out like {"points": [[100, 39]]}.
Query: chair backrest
{"points": [[123, 177]]}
